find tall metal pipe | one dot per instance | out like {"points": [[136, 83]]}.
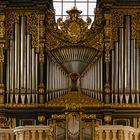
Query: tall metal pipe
{"points": [[17, 54], [127, 53], [36, 73], [113, 76], [8, 75], [116, 77], [22, 52]]}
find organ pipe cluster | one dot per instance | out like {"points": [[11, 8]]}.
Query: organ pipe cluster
{"points": [[22, 67], [56, 80], [22, 70], [125, 83], [92, 81]]}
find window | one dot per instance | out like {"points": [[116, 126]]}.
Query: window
{"points": [[86, 6]]}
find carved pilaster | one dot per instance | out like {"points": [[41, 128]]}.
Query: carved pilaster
{"points": [[41, 54], [108, 34], [41, 86], [2, 41]]}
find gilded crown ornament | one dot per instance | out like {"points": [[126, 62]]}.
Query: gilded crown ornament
{"points": [[74, 28]]}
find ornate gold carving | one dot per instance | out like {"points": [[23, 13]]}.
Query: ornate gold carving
{"points": [[1, 89], [41, 88], [107, 118], [99, 21], [41, 120], [32, 28], [4, 122], [74, 29], [74, 76]]}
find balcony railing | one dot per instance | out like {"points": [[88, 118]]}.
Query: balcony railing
{"points": [[27, 133], [117, 132]]}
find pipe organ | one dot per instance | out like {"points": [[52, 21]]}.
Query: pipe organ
{"points": [[125, 83], [57, 72], [92, 80]]}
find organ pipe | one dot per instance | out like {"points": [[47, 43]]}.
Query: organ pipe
{"points": [[8, 75], [127, 53], [112, 80], [28, 62], [36, 70], [11, 66], [133, 66], [101, 79], [138, 70], [22, 53], [121, 64], [116, 68], [33, 70], [17, 54]]}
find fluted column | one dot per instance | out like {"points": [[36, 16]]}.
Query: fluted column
{"points": [[2, 34], [41, 55], [107, 30]]}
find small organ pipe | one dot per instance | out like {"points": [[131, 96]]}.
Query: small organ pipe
{"points": [[36, 70], [138, 70], [11, 65], [133, 65], [7, 72], [121, 55], [101, 80], [28, 61], [33, 69], [112, 80], [116, 68]]}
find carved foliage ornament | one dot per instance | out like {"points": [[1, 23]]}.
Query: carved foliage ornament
{"points": [[12, 17]]}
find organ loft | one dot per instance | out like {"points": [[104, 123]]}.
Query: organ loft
{"points": [[71, 76]]}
